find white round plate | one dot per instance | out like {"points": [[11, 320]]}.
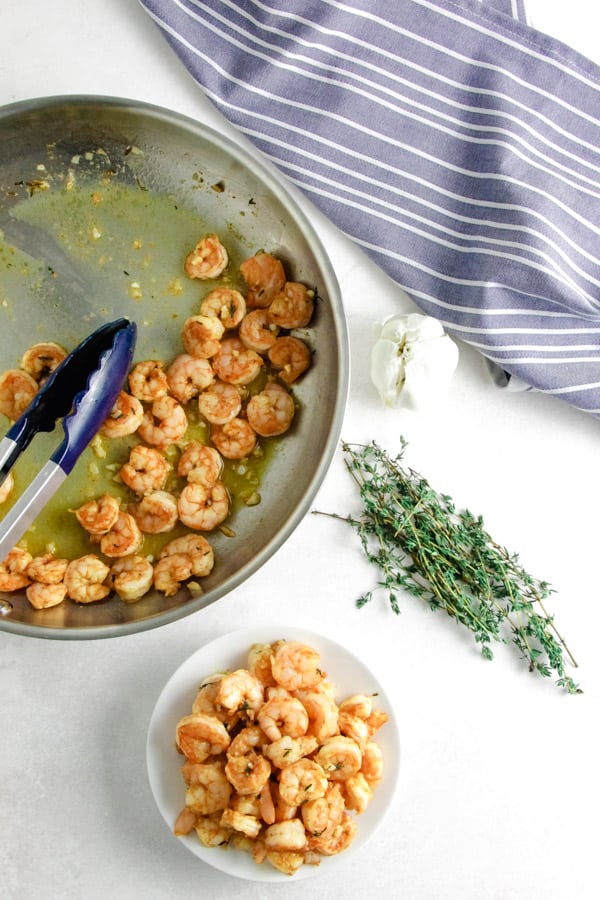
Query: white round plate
{"points": [[347, 674]]}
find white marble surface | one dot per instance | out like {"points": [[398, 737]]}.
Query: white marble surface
{"points": [[499, 787]]}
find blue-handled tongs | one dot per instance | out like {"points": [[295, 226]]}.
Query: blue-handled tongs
{"points": [[82, 391]]}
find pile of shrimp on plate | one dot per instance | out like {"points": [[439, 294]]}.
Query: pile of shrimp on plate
{"points": [[273, 765], [239, 359]]}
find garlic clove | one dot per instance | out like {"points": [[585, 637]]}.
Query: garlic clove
{"points": [[387, 370], [428, 370], [413, 361], [410, 328]]}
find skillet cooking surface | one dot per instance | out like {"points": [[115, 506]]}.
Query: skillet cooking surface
{"points": [[100, 200]]}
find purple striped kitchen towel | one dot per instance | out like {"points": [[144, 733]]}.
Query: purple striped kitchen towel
{"points": [[459, 147]]}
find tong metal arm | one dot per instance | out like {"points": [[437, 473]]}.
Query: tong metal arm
{"points": [[81, 391]]}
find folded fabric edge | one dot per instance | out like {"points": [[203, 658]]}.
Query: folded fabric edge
{"points": [[513, 8], [532, 40]]}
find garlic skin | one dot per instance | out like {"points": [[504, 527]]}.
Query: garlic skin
{"points": [[412, 361]]}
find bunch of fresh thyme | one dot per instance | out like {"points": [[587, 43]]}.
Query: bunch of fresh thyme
{"points": [[423, 545]]}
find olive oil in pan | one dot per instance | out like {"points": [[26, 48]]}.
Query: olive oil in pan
{"points": [[129, 246]]}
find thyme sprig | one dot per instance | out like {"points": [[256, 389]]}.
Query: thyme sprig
{"points": [[424, 546]]}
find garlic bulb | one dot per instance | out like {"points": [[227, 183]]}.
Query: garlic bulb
{"points": [[413, 361]]}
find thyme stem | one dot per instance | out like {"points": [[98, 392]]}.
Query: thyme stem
{"points": [[422, 545]]}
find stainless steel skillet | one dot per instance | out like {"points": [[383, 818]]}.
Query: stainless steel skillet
{"points": [[177, 178]]}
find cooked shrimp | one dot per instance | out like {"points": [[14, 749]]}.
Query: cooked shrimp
{"points": [[259, 663], [340, 757], [377, 718], [258, 850], [354, 727], [156, 513], [124, 418], [199, 736], [249, 738], [247, 804], [41, 359], [187, 376], [287, 750], [283, 811], [322, 712], [148, 380], [208, 259], [265, 277], [257, 332], [283, 716], [235, 439], [185, 822], [146, 470], [372, 763], [18, 560], [205, 700], [196, 548], [248, 773], [266, 806], [296, 666], [220, 403], [85, 579], [47, 569], [286, 861], [210, 831], [289, 835], [324, 813], [336, 839], [132, 577], [171, 571], [245, 844], [360, 705], [123, 539], [98, 516], [226, 304], [311, 857], [17, 390], [201, 336], [192, 772], [271, 412], [290, 357], [211, 790], [292, 792], [13, 570], [6, 487], [276, 691], [164, 423], [44, 596], [240, 692], [235, 363], [248, 825], [292, 307], [203, 508], [200, 464], [357, 792], [301, 781]]}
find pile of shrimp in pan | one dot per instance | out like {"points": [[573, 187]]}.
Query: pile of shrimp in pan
{"points": [[234, 339], [273, 765]]}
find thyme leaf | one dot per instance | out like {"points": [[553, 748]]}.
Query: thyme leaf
{"points": [[423, 546]]}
